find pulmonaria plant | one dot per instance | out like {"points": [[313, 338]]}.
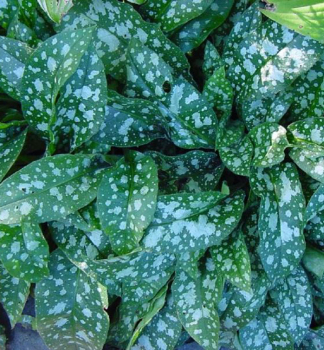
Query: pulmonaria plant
{"points": [[162, 174]]}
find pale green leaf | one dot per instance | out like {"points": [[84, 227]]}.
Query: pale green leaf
{"points": [[55, 9]]}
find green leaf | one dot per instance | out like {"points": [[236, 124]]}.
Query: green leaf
{"points": [[269, 59], [188, 222], [280, 225], [27, 252], [130, 122], [13, 58], [194, 171], [164, 330], [270, 142], [315, 204], [70, 308], [47, 70], [55, 9], [49, 189], [155, 306], [196, 302], [212, 60], [232, 259], [306, 18], [127, 200], [116, 24], [313, 260], [294, 299], [81, 106], [189, 261], [192, 34], [13, 295], [268, 330], [23, 9], [191, 120], [11, 144], [173, 15]]}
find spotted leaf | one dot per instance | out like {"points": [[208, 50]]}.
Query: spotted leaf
{"points": [[46, 71], [188, 222], [280, 225], [55, 9], [49, 189], [196, 302], [127, 200], [70, 307]]}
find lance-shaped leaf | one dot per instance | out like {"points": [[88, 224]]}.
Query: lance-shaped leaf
{"points": [[13, 57], [13, 295], [269, 109], [268, 330], [164, 330], [11, 143], [313, 260], [270, 59], [189, 261], [188, 222], [81, 106], [194, 171], [270, 142], [55, 9], [12, 9], [315, 204], [193, 33], [49, 189], [232, 259], [294, 299], [249, 21], [306, 18], [130, 122], [308, 94], [196, 302], [212, 60], [70, 308], [46, 71], [172, 15], [155, 306], [191, 120], [27, 253], [127, 200], [117, 23], [281, 217], [313, 340]]}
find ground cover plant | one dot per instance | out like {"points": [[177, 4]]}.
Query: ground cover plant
{"points": [[162, 172]]}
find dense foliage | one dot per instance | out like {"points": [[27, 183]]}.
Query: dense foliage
{"points": [[162, 168]]}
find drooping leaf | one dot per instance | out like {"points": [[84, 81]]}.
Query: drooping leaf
{"points": [[70, 307], [13, 295], [188, 222], [27, 253], [270, 142], [81, 106], [127, 200], [306, 18], [173, 15], [294, 299], [280, 223], [196, 302], [231, 258], [13, 58], [47, 70], [49, 189], [116, 24], [193, 33]]}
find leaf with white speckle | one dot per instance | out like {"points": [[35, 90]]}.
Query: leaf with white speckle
{"points": [[189, 261], [70, 308], [188, 222], [49, 189], [13, 295], [55, 9], [27, 253], [81, 106], [13, 57], [270, 142], [196, 302], [46, 71], [281, 219], [212, 60], [232, 259], [127, 200], [294, 299]]}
